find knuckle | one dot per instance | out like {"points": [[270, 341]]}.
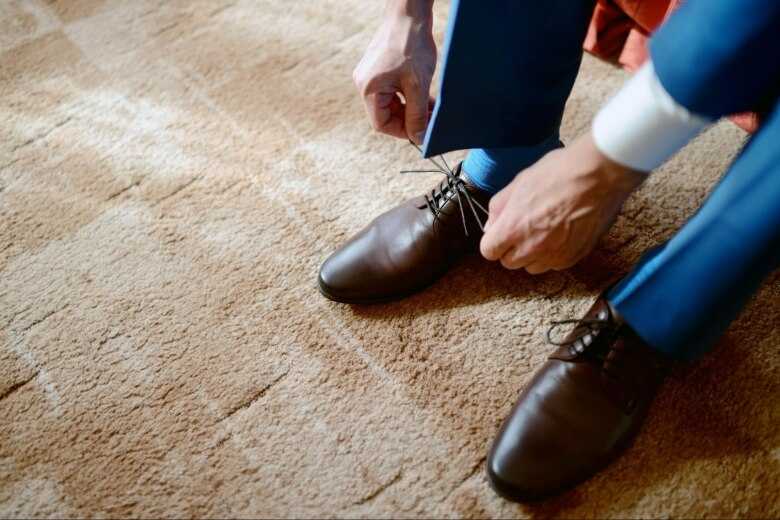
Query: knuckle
{"points": [[493, 204], [516, 235]]}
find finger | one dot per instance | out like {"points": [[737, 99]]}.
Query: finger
{"points": [[566, 257], [496, 205], [516, 258], [416, 114], [537, 268], [571, 260], [498, 239], [494, 244], [385, 112]]}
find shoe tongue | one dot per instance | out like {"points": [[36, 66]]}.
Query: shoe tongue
{"points": [[442, 195]]}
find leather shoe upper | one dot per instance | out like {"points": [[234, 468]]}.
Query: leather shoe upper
{"points": [[408, 247], [579, 411]]}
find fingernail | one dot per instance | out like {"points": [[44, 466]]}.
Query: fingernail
{"points": [[419, 137]]}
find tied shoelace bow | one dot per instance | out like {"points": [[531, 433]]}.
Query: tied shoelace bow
{"points": [[453, 183]]}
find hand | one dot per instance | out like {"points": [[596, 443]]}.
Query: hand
{"points": [[399, 61], [554, 212]]}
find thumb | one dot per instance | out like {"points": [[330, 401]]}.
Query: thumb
{"points": [[416, 110]]}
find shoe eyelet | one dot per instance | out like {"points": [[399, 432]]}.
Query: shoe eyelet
{"points": [[587, 339], [603, 315], [579, 347]]}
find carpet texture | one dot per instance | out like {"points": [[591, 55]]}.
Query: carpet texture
{"points": [[172, 173]]}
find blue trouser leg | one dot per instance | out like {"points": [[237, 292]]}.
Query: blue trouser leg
{"points": [[508, 69], [490, 169], [683, 294]]}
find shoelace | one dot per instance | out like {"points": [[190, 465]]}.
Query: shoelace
{"points": [[581, 343], [452, 183], [593, 327]]}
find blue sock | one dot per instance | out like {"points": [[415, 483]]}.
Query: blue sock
{"points": [[490, 169]]}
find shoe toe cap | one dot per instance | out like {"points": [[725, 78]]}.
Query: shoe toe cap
{"points": [[336, 279], [353, 275], [561, 431], [519, 478]]}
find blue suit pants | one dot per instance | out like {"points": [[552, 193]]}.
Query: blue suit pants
{"points": [[507, 72]]}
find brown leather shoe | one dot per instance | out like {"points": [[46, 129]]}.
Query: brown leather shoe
{"points": [[581, 409], [409, 247]]}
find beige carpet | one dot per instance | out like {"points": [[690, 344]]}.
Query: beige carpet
{"points": [[171, 175]]}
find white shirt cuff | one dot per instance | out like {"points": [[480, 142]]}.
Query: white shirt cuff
{"points": [[642, 126]]}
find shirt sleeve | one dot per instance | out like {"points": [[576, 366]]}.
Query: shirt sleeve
{"points": [[642, 125]]}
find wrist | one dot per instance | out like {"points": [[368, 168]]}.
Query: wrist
{"points": [[618, 176], [421, 10]]}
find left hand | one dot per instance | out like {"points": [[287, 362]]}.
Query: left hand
{"points": [[554, 212]]}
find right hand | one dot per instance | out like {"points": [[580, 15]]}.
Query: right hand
{"points": [[399, 61]]}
